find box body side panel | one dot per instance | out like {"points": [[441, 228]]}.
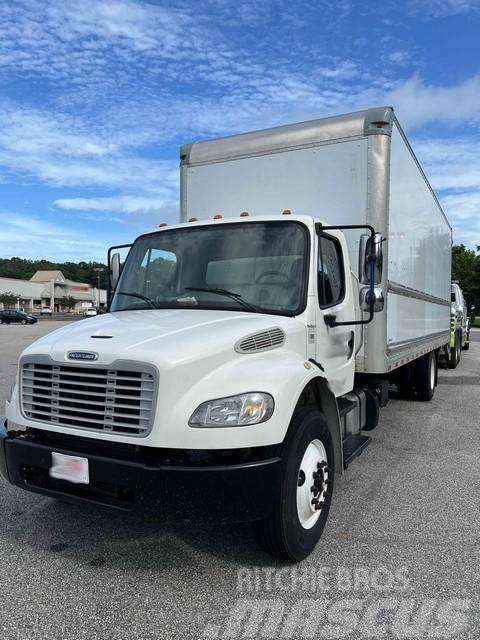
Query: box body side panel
{"points": [[419, 252]]}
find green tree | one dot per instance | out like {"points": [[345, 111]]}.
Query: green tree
{"points": [[8, 298], [67, 302], [466, 270]]}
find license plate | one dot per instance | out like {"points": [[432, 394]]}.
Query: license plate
{"points": [[70, 468]]}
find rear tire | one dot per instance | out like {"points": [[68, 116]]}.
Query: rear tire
{"points": [[454, 358], [297, 520], [425, 374]]}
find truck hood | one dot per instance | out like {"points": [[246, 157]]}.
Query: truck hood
{"points": [[163, 337]]}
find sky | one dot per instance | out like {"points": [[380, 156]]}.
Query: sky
{"points": [[96, 96]]}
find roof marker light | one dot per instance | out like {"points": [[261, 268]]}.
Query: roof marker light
{"points": [[164, 224], [244, 214], [217, 216], [286, 212], [192, 219]]}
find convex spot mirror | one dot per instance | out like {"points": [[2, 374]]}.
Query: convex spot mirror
{"points": [[368, 297], [115, 270], [364, 254]]}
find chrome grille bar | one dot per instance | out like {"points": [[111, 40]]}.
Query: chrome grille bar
{"points": [[113, 400]]}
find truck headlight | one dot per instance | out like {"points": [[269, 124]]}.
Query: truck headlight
{"points": [[234, 411]]}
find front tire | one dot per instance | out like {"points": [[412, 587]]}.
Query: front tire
{"points": [[302, 501], [425, 376]]}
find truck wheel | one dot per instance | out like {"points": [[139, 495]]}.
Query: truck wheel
{"points": [[302, 501], [454, 354], [425, 374]]}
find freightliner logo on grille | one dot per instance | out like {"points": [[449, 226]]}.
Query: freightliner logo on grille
{"points": [[82, 355]]}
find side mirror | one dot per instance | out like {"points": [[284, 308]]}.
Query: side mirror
{"points": [[368, 297], [114, 270], [364, 254]]}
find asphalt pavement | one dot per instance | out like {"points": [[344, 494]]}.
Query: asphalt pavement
{"points": [[399, 558]]}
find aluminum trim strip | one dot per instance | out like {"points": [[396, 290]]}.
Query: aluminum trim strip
{"points": [[394, 347], [408, 292]]}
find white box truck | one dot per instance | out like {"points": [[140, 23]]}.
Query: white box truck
{"points": [[248, 349]]}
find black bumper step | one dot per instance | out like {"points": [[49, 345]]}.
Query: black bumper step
{"points": [[353, 446]]}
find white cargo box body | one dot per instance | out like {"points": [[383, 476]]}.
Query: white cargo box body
{"points": [[352, 169]]}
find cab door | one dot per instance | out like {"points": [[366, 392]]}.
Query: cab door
{"points": [[335, 346]]}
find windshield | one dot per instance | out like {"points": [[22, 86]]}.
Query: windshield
{"points": [[248, 266]]}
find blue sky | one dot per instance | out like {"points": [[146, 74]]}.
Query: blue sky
{"points": [[96, 97]]}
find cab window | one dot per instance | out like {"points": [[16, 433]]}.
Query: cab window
{"points": [[331, 286]]}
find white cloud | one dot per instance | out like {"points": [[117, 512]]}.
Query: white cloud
{"points": [[399, 57], [442, 8], [418, 102], [463, 211], [452, 164], [139, 210], [58, 151], [33, 238]]}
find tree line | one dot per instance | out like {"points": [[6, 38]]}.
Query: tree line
{"points": [[78, 271]]}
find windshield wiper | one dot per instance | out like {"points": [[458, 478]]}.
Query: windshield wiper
{"points": [[138, 295], [229, 294]]}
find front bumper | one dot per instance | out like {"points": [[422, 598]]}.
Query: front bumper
{"points": [[234, 485]]}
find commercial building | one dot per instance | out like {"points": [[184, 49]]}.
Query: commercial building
{"points": [[48, 288]]}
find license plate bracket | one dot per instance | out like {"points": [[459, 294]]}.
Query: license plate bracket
{"points": [[72, 469]]}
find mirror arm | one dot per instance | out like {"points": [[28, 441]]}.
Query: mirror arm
{"points": [[330, 319]]}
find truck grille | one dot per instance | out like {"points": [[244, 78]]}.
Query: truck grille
{"points": [[98, 399]]}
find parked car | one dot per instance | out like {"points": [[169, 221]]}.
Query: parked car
{"points": [[46, 311], [11, 315], [91, 311]]}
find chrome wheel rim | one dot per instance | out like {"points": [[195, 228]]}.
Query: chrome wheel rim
{"points": [[313, 481]]}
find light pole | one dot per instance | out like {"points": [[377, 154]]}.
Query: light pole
{"points": [[98, 271]]}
